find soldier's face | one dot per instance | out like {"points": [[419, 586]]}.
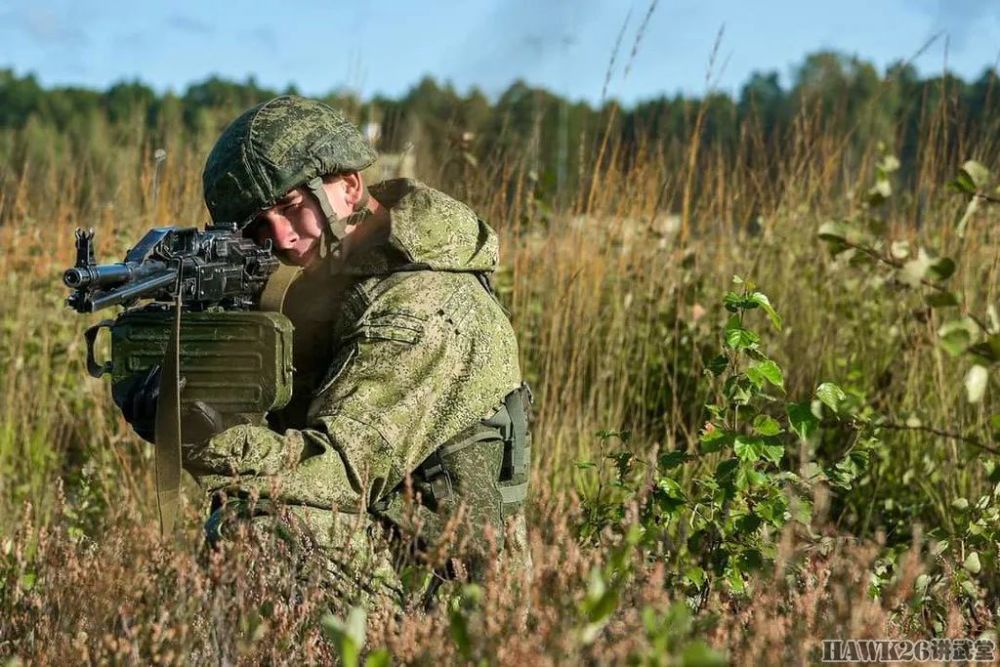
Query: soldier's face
{"points": [[294, 225]]}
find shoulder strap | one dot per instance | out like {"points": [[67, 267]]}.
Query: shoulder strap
{"points": [[272, 299]]}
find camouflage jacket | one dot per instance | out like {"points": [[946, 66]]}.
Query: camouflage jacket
{"points": [[400, 348]]}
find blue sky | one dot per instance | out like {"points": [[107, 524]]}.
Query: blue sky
{"points": [[381, 46]]}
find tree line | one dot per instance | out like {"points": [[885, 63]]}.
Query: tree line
{"points": [[554, 140]]}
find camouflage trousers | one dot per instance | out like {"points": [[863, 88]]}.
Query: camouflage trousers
{"points": [[407, 552]]}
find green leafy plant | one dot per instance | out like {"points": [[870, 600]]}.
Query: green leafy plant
{"points": [[739, 494], [862, 237], [714, 509]]}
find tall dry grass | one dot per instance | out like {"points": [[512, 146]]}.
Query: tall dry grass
{"points": [[616, 303]]}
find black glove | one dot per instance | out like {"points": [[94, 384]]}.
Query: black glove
{"points": [[138, 403], [199, 421]]}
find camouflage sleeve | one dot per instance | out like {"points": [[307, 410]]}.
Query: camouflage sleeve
{"points": [[430, 356]]}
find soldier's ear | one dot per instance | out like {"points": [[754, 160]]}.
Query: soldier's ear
{"points": [[354, 187]]}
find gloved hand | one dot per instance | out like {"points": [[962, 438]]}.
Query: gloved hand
{"points": [[138, 403], [199, 421]]}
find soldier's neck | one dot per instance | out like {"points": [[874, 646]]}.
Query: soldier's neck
{"points": [[372, 230]]}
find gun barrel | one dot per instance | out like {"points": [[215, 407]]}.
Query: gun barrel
{"points": [[137, 290], [99, 276]]}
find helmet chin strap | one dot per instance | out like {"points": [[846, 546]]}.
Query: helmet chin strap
{"points": [[336, 226]]}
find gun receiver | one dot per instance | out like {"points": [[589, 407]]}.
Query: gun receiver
{"points": [[214, 267]]}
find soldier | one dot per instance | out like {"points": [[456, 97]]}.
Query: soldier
{"points": [[408, 420]]}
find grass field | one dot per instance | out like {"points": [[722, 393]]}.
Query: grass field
{"points": [[618, 301]]}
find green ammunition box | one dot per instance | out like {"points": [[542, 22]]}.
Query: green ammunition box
{"points": [[237, 362]]}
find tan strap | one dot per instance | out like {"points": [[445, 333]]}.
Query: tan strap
{"points": [[272, 299], [335, 229], [168, 429]]}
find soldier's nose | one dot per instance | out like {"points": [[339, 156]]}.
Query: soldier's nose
{"points": [[282, 234]]}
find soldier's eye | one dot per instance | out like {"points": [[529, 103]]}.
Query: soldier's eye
{"points": [[252, 230]]}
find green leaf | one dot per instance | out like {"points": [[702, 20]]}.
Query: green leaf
{"points": [[734, 302], [831, 395], [976, 173], [836, 232], [802, 511], [764, 425], [957, 335], [670, 488], [725, 470], [888, 164], [668, 496], [801, 419], [761, 300], [718, 364], [748, 523], [737, 388], [695, 576], [773, 451], [849, 468], [879, 193], [747, 477], [698, 654], [379, 658], [941, 300], [601, 600], [989, 350], [714, 440], [773, 510], [900, 249], [972, 177], [941, 269], [27, 580], [668, 505], [672, 459], [751, 449], [347, 636], [739, 338], [735, 580], [747, 449], [608, 434], [766, 370], [962, 183], [972, 564], [916, 269], [975, 383]]}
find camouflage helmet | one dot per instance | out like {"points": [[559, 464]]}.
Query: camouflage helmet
{"points": [[276, 146]]}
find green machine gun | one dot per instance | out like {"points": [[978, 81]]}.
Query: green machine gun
{"points": [[195, 303]]}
